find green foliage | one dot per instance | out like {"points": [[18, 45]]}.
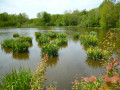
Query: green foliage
{"points": [[50, 49], [25, 39], [20, 47], [16, 80], [43, 39], [62, 35], [37, 34], [96, 53], [76, 35], [63, 40], [8, 43], [16, 35], [89, 39], [52, 34]]}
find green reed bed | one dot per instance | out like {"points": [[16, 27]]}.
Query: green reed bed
{"points": [[62, 35], [76, 35], [16, 35], [16, 80], [89, 39], [50, 49], [96, 53], [43, 39], [37, 34]]}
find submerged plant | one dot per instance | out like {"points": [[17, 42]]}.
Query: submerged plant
{"points": [[96, 53], [50, 49], [16, 80], [16, 35], [76, 35]]}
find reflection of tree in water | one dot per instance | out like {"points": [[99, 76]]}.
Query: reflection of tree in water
{"points": [[52, 61], [21, 56], [6, 50], [94, 63]]}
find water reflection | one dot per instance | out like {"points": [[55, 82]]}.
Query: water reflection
{"points": [[52, 61], [6, 50], [94, 63], [20, 56]]}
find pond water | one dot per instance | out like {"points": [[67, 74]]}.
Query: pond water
{"points": [[71, 59]]}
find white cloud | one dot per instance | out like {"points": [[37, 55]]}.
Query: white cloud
{"points": [[32, 7]]}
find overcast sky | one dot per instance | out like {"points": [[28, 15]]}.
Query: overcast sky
{"points": [[32, 7]]}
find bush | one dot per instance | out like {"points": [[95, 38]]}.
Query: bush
{"points": [[16, 35], [96, 53], [62, 35], [20, 47], [57, 42], [43, 39], [50, 49], [8, 43], [76, 35], [24, 39], [16, 81], [37, 34]]}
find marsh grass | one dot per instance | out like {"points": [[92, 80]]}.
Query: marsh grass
{"points": [[16, 80], [37, 34], [76, 35], [16, 35], [24, 39], [61, 35], [52, 34], [8, 43], [43, 39]]}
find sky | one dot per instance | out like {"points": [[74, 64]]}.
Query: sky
{"points": [[32, 7]]}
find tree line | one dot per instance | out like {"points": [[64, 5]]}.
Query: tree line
{"points": [[107, 15]]}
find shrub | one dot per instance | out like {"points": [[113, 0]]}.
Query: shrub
{"points": [[52, 34], [76, 35], [16, 81], [96, 53], [62, 35], [24, 39], [50, 49], [43, 39], [56, 41], [8, 43], [37, 34], [16, 35], [20, 47]]}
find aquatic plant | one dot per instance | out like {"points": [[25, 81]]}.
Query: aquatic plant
{"points": [[19, 47], [16, 80], [62, 40], [43, 39], [38, 77], [37, 34], [96, 53], [76, 35], [89, 39], [50, 49], [24, 39], [16, 35], [61, 35], [52, 34], [108, 81], [8, 43]]}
